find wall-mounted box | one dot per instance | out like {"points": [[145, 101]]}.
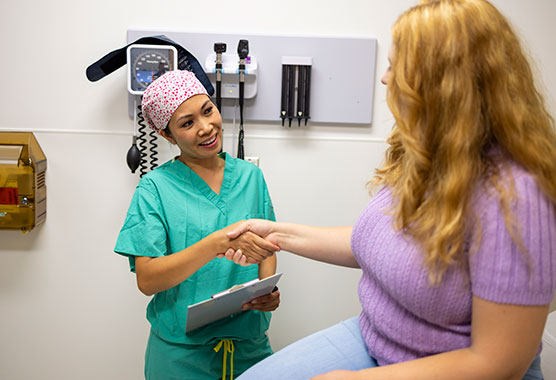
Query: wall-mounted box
{"points": [[22, 181]]}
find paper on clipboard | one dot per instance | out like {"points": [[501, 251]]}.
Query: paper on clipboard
{"points": [[228, 302]]}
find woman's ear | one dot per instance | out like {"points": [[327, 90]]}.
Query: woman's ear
{"points": [[167, 136]]}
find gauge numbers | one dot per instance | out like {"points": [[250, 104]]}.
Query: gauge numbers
{"points": [[147, 63]]}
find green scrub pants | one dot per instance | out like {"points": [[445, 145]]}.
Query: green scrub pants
{"points": [[174, 361]]}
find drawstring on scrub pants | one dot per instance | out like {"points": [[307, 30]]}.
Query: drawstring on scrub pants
{"points": [[228, 347]]}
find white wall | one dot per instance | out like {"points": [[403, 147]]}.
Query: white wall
{"points": [[70, 308]]}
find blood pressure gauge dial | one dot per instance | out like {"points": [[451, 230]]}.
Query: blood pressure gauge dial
{"points": [[146, 63]]}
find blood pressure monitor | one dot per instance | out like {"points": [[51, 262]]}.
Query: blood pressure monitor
{"points": [[148, 62]]}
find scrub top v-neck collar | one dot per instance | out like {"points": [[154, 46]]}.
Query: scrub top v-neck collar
{"points": [[219, 200]]}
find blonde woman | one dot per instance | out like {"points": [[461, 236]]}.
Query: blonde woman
{"points": [[458, 246]]}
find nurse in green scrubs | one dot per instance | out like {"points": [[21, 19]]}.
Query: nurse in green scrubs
{"points": [[175, 232]]}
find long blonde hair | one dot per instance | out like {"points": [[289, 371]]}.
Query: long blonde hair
{"points": [[460, 85]]}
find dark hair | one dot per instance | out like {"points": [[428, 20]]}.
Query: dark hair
{"points": [[167, 129]]}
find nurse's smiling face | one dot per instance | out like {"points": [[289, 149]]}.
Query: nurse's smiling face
{"points": [[196, 127]]}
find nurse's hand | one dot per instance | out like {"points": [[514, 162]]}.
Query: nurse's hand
{"points": [[254, 233], [268, 302], [253, 247], [261, 227], [236, 256]]}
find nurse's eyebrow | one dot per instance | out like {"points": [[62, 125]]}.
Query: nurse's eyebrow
{"points": [[205, 103], [189, 115]]}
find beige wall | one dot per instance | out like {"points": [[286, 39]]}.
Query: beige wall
{"points": [[70, 308]]}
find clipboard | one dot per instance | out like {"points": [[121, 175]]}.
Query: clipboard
{"points": [[228, 302]]}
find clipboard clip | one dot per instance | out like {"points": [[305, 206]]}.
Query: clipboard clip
{"points": [[235, 287]]}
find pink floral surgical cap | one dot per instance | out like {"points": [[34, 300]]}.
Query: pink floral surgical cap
{"points": [[163, 96]]}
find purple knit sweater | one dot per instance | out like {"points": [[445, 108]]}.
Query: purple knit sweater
{"points": [[404, 317]]}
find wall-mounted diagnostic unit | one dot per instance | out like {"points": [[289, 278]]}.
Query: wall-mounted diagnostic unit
{"points": [[22, 181], [324, 79]]}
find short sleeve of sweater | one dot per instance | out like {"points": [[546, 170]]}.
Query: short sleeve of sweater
{"points": [[500, 271], [144, 232]]}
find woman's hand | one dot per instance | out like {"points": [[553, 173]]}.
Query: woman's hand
{"points": [[261, 227], [268, 302]]}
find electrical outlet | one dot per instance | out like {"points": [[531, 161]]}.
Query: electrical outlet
{"points": [[253, 160]]}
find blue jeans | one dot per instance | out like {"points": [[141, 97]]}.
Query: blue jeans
{"points": [[534, 372], [338, 347]]}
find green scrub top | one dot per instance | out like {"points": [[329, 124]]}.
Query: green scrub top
{"points": [[173, 208]]}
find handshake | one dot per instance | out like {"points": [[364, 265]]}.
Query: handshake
{"points": [[249, 241]]}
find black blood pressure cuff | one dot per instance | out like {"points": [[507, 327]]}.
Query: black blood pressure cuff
{"points": [[117, 58]]}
